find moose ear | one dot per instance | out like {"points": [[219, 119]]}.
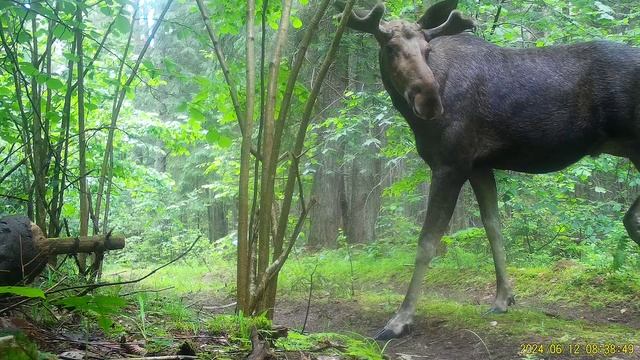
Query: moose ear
{"points": [[455, 24], [437, 14]]}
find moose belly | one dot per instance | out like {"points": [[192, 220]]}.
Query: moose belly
{"points": [[536, 162], [542, 155]]}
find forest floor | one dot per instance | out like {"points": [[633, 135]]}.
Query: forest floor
{"points": [[563, 311]]}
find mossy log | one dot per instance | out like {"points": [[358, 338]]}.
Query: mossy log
{"points": [[24, 249]]}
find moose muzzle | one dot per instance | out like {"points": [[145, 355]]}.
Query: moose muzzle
{"points": [[425, 101]]}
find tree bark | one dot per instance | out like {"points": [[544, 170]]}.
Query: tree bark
{"points": [[326, 218], [82, 142], [365, 199], [217, 218]]}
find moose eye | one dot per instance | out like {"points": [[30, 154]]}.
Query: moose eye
{"points": [[426, 52]]}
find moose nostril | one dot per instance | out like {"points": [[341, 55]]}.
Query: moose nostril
{"points": [[410, 95]]}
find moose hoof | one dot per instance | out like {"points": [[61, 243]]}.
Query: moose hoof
{"points": [[496, 310], [397, 332], [501, 307]]}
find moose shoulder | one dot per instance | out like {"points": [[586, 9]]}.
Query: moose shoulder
{"points": [[474, 107]]}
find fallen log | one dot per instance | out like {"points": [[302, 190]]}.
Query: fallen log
{"points": [[24, 249]]}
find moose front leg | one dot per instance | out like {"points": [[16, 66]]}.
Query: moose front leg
{"points": [[484, 186], [445, 187]]}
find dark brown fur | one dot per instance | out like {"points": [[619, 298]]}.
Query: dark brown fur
{"points": [[475, 107]]}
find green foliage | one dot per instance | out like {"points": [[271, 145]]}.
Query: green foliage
{"points": [[353, 346], [20, 348], [237, 327], [176, 155], [102, 307], [29, 292]]}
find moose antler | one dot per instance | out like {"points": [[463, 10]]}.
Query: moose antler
{"points": [[455, 24], [365, 21]]}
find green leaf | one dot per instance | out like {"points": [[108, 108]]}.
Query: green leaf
{"points": [[54, 84], [41, 78], [121, 24], [213, 136], [196, 115], [105, 323], [169, 64], [184, 106], [61, 32], [28, 69], [6, 91], [29, 292], [109, 304], [296, 22], [24, 37], [70, 56], [106, 10], [225, 142]]}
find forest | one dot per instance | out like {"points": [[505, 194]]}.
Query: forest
{"points": [[229, 179]]}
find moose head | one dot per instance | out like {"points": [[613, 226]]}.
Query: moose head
{"points": [[404, 50]]}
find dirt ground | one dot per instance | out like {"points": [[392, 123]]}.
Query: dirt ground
{"points": [[433, 339]]}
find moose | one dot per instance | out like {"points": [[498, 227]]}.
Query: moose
{"points": [[474, 107]]}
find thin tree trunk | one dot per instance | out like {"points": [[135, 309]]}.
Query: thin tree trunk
{"points": [[244, 267], [82, 142], [39, 148], [269, 161], [60, 165], [299, 144], [108, 155]]}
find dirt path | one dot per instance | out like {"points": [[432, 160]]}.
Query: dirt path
{"points": [[434, 339]]}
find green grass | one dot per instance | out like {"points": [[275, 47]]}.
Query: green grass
{"points": [[336, 274], [181, 278], [376, 278]]}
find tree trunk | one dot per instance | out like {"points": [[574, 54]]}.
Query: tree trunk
{"points": [[82, 144], [217, 218], [460, 219], [325, 217], [365, 200]]}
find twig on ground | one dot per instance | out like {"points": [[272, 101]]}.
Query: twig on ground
{"points": [[147, 291], [260, 348], [166, 357], [482, 341], [220, 307], [306, 314]]}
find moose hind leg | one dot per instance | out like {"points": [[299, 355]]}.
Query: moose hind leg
{"points": [[484, 187], [632, 221], [443, 194]]}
